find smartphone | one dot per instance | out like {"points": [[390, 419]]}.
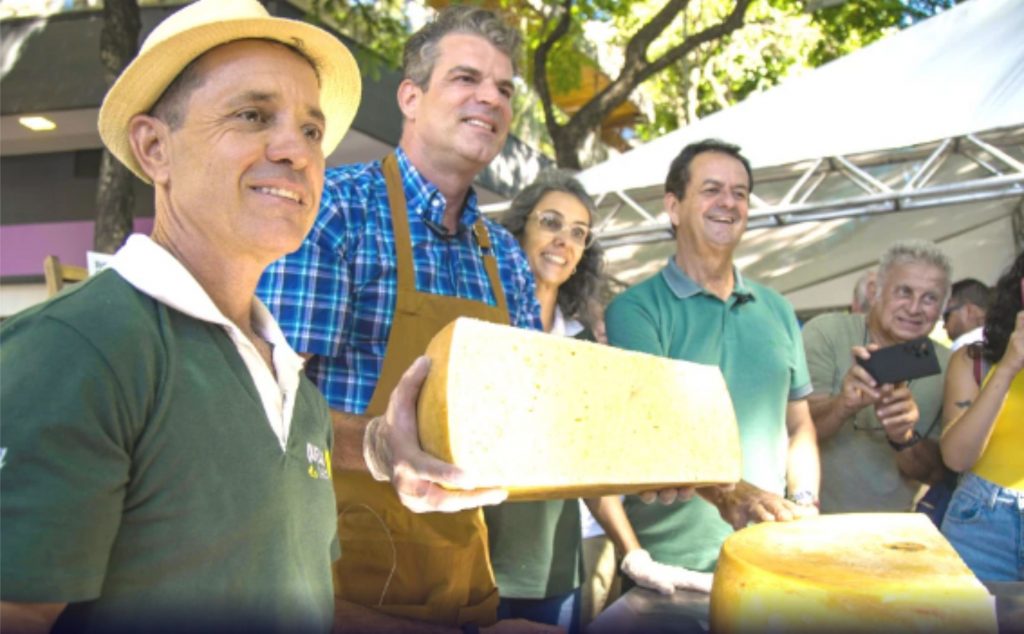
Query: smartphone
{"points": [[903, 362]]}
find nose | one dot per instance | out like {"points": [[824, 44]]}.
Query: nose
{"points": [[488, 92], [290, 144]]}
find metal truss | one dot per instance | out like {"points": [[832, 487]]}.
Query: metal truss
{"points": [[952, 171]]}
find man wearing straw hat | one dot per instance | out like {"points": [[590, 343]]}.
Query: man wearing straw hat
{"points": [[165, 463]]}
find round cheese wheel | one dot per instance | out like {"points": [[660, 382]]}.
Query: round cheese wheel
{"points": [[865, 572]]}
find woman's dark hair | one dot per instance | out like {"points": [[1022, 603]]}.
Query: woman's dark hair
{"points": [[584, 285], [1002, 314]]}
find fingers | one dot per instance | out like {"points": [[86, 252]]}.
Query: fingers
{"points": [[667, 496], [423, 496], [408, 389]]}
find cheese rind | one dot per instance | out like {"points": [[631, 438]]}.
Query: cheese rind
{"points": [[867, 572], [551, 417]]}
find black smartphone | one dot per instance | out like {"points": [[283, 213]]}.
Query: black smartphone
{"points": [[902, 362]]}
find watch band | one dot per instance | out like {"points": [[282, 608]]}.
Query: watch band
{"points": [[804, 497], [900, 446]]}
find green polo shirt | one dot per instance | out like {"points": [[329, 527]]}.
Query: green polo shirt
{"points": [[141, 482], [753, 336], [858, 466]]}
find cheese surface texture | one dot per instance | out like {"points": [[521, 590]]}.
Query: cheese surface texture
{"points": [[548, 417], [862, 572]]}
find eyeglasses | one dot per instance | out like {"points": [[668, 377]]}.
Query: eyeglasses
{"points": [[552, 222]]}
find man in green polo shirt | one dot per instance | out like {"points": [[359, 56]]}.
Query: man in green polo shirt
{"points": [[699, 308]]}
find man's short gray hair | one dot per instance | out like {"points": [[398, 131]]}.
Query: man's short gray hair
{"points": [[421, 49], [911, 252]]}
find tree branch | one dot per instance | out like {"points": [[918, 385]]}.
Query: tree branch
{"points": [[638, 69], [540, 67]]}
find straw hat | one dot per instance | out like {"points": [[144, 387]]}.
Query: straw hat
{"points": [[203, 25]]}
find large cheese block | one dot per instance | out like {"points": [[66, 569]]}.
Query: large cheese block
{"points": [[866, 572], [550, 417]]}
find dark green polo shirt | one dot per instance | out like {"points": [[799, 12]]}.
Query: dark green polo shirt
{"points": [[142, 483]]}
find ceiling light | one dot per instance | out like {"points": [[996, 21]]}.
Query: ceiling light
{"points": [[37, 124]]}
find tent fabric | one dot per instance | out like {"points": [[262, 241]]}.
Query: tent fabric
{"points": [[959, 72]]}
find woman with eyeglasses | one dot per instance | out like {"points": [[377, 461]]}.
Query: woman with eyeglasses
{"points": [[983, 437], [535, 547]]}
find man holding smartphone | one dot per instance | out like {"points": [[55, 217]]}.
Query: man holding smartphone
{"points": [[878, 442]]}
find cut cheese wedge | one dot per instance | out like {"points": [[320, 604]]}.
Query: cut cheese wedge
{"points": [[867, 572], [554, 417]]}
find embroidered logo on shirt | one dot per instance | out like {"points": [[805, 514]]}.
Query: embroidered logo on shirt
{"points": [[319, 462]]}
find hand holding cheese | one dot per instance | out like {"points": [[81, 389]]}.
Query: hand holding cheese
{"points": [[746, 503], [666, 579], [392, 452], [552, 417]]}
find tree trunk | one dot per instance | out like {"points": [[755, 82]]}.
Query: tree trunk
{"points": [[115, 197]]}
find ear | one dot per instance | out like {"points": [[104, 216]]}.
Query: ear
{"points": [[409, 95], [671, 205], [150, 139], [975, 314]]}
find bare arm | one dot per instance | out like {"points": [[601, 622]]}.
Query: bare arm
{"points": [[29, 618], [858, 390], [968, 432], [803, 468], [349, 432], [898, 413], [610, 514]]}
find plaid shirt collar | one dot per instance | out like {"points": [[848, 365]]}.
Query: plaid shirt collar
{"points": [[425, 199]]}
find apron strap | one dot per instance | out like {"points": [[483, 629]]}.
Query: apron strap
{"points": [[400, 222], [483, 239]]}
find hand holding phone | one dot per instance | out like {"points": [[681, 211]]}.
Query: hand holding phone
{"points": [[902, 362]]}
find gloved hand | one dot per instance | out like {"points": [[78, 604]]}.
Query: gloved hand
{"points": [[666, 579]]}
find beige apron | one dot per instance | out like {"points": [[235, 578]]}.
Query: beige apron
{"points": [[442, 570]]}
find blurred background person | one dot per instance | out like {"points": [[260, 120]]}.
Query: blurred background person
{"points": [[864, 292], [983, 438], [964, 316], [535, 547]]}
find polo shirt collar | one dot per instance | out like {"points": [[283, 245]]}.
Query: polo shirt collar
{"points": [[684, 286], [154, 271], [425, 199]]}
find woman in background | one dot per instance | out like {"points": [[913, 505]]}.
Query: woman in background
{"points": [[536, 546], [984, 434]]}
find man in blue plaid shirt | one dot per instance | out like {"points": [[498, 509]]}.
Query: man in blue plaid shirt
{"points": [[398, 250]]}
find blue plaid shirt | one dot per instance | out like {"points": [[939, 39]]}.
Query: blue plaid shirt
{"points": [[335, 296]]}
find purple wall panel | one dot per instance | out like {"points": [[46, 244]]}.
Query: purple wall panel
{"points": [[23, 247]]}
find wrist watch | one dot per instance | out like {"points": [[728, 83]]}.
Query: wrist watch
{"points": [[804, 497], [900, 446]]}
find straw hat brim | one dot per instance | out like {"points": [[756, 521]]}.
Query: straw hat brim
{"points": [[149, 74]]}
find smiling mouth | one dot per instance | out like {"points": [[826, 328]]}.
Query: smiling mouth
{"points": [[479, 123], [280, 193], [556, 259], [727, 220]]}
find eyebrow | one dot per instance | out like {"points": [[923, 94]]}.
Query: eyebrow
{"points": [[262, 97], [455, 70], [714, 181]]}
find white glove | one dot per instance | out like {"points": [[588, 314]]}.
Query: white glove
{"points": [[666, 579]]}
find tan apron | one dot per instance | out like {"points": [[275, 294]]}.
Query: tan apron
{"points": [[442, 569]]}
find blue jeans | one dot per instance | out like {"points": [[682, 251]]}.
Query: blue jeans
{"points": [[563, 610], [984, 524]]}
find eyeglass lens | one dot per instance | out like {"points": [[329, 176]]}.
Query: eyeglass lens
{"points": [[553, 222]]}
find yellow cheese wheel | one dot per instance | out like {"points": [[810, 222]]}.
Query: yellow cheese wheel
{"points": [[550, 417], [862, 572]]}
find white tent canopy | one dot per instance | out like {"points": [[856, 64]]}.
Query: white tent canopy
{"points": [[928, 122]]}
